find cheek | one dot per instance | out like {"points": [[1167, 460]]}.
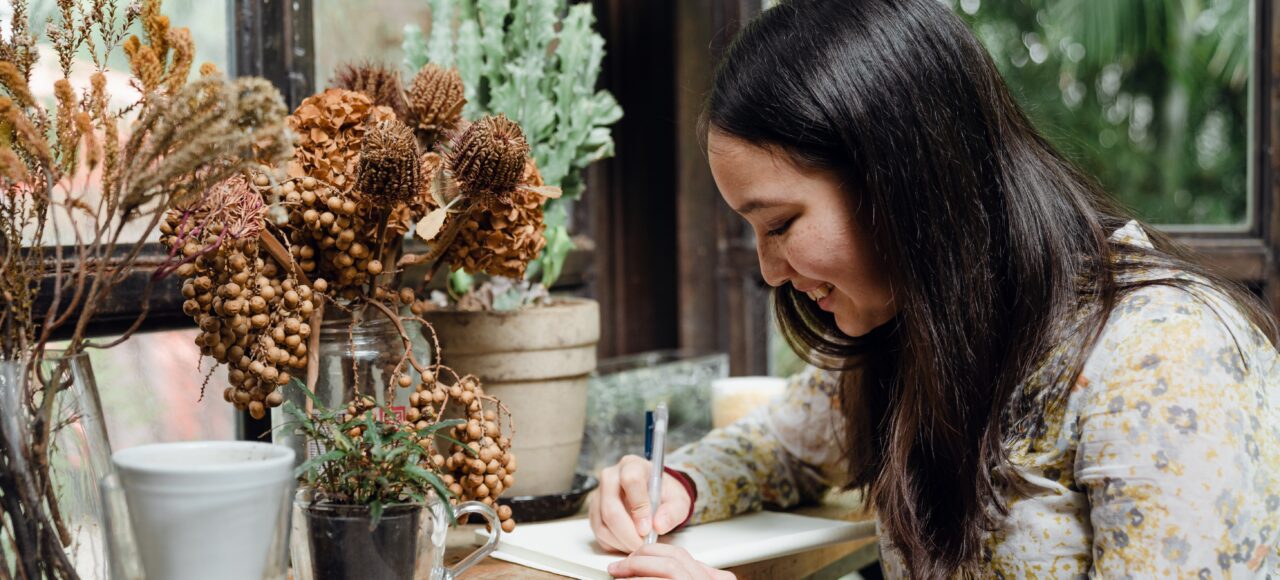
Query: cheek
{"points": [[836, 255]]}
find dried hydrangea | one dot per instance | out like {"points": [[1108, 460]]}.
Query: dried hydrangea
{"points": [[502, 239], [330, 127]]}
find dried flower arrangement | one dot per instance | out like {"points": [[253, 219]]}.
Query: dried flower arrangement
{"points": [[102, 169], [524, 61], [270, 252]]}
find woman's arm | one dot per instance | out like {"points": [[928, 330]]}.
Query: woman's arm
{"points": [[1176, 450], [781, 455]]}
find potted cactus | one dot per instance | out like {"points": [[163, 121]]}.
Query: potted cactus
{"points": [[536, 63]]}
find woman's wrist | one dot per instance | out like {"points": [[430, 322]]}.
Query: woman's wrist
{"points": [[689, 487]]}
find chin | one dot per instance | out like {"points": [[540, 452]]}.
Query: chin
{"points": [[854, 328]]}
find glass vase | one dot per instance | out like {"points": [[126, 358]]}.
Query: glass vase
{"points": [[79, 457], [79, 453], [358, 353]]}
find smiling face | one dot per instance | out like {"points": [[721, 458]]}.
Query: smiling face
{"points": [[806, 233]]}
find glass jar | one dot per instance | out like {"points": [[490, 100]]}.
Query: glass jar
{"points": [[358, 353], [340, 542]]}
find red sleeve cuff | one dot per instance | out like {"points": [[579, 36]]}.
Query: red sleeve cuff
{"points": [[684, 480]]}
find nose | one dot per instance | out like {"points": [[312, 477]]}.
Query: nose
{"points": [[774, 266]]}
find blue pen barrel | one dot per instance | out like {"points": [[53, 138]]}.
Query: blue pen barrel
{"points": [[648, 435]]}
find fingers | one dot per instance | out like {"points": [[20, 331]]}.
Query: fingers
{"points": [[675, 505], [655, 567], [603, 536], [614, 515], [664, 561], [633, 475]]}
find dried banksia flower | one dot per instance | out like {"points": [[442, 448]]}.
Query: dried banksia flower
{"points": [[435, 101], [390, 171], [380, 83], [487, 159]]}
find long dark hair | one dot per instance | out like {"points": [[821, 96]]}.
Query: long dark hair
{"points": [[990, 236]]}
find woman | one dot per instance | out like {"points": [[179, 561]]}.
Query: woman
{"points": [[1023, 380]]}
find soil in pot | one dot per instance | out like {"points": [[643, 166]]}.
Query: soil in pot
{"points": [[344, 548]]}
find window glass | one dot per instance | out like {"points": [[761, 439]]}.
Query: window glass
{"points": [[151, 388], [1149, 96], [368, 30]]}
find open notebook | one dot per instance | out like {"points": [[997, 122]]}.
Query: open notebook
{"points": [[568, 548]]}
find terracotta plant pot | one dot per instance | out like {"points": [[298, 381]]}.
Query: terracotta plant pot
{"points": [[536, 361]]}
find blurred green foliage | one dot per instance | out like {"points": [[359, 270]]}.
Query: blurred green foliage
{"points": [[1149, 96]]}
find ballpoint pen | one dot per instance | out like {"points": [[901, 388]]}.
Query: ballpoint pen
{"points": [[656, 456]]}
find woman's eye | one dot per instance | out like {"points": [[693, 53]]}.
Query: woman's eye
{"points": [[781, 229]]}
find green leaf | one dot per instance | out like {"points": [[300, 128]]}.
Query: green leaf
{"points": [[464, 445], [435, 482], [375, 514], [431, 429], [310, 464]]}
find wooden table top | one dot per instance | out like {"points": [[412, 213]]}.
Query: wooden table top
{"points": [[829, 562]]}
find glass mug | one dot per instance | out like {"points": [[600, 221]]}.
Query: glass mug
{"points": [[334, 542]]}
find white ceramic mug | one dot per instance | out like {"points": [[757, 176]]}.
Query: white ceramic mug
{"points": [[209, 510], [733, 398]]}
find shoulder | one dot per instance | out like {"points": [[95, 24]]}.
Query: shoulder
{"points": [[1192, 339]]}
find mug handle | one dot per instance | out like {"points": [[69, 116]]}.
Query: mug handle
{"points": [[490, 516]]}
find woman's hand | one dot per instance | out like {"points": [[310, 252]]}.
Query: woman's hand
{"points": [[665, 561], [619, 510]]}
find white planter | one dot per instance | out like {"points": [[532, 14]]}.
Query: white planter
{"points": [[537, 362], [208, 510]]}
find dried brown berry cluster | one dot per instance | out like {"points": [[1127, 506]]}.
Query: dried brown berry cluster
{"points": [[251, 312], [332, 235], [483, 466]]}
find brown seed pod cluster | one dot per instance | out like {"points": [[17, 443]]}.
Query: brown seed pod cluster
{"points": [[332, 235], [251, 312], [487, 159], [378, 82], [483, 466], [390, 169], [436, 97]]}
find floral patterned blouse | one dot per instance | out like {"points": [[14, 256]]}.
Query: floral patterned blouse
{"points": [[1164, 461]]}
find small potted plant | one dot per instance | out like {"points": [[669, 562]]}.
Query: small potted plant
{"points": [[535, 352], [376, 499]]}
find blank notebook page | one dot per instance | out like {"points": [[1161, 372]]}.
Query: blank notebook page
{"points": [[568, 548]]}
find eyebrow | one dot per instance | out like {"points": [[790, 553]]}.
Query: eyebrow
{"points": [[752, 207]]}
